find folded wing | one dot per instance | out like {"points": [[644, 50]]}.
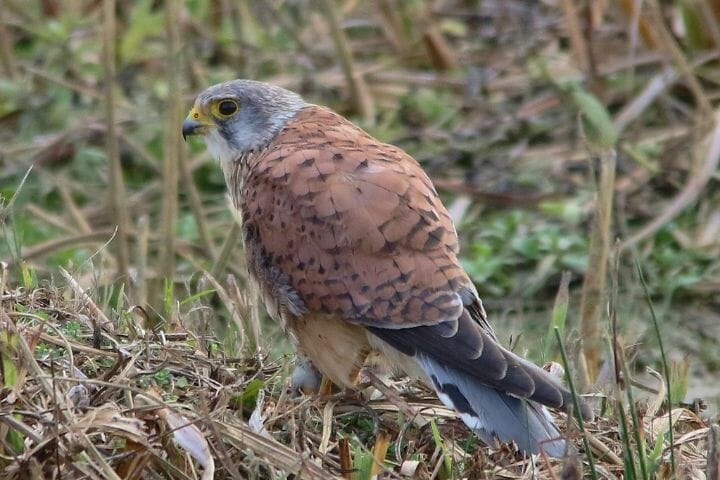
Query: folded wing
{"points": [[344, 225]]}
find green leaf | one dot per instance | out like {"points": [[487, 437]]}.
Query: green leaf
{"points": [[143, 24], [251, 392], [169, 297], [197, 296], [655, 457], [8, 342], [363, 463], [447, 458], [559, 313], [15, 439], [29, 277], [598, 123]]}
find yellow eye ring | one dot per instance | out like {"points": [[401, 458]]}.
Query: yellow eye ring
{"points": [[226, 108]]}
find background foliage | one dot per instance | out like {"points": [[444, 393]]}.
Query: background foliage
{"points": [[534, 119]]}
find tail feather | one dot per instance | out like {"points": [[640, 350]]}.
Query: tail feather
{"points": [[494, 415]]}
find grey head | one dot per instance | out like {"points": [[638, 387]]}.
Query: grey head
{"points": [[239, 117]]}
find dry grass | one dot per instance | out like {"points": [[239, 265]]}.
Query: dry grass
{"points": [[84, 398]]}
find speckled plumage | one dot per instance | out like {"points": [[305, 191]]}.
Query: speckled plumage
{"points": [[354, 251], [354, 226]]}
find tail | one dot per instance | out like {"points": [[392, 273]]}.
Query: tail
{"points": [[494, 415]]}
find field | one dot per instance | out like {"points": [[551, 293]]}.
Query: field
{"points": [[575, 143]]}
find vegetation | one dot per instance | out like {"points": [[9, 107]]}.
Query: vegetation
{"points": [[576, 144]]}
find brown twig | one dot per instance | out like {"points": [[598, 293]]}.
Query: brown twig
{"points": [[74, 86], [392, 24], [529, 200], [230, 243], [118, 198], [634, 109], [646, 31], [346, 466], [593, 290], [72, 207], [273, 451], [142, 249], [690, 192], [55, 244], [88, 302], [172, 142], [50, 218], [395, 398], [6, 50], [439, 51], [671, 47], [710, 19], [382, 442], [713, 456], [193, 196], [577, 40], [362, 100]]}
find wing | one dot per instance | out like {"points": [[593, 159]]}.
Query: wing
{"points": [[339, 223], [353, 226]]}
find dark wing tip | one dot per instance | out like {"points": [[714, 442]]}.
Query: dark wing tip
{"points": [[586, 411]]}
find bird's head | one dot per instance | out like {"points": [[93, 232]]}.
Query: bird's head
{"points": [[240, 116]]}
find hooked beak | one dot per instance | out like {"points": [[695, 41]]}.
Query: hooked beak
{"points": [[196, 123]]}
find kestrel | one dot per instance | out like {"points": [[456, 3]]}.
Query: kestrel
{"points": [[354, 254]]}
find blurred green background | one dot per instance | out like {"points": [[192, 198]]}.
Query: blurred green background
{"points": [[519, 110]]}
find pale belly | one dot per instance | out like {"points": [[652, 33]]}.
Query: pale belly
{"points": [[336, 347]]}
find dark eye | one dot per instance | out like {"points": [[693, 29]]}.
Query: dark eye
{"points": [[227, 107]]}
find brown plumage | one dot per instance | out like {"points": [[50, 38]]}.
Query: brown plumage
{"points": [[355, 225], [354, 252]]}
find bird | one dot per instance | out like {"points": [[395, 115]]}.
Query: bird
{"points": [[355, 255]]}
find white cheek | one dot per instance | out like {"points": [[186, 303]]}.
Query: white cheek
{"points": [[219, 148]]}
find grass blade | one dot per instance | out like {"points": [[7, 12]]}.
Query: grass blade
{"points": [[638, 434], [666, 370], [576, 405], [559, 313]]}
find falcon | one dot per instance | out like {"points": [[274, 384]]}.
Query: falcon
{"points": [[355, 254]]}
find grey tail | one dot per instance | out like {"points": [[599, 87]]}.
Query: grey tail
{"points": [[492, 414]]}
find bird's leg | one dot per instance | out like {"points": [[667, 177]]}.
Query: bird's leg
{"points": [[331, 346], [326, 383], [326, 386]]}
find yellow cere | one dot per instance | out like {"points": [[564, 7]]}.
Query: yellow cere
{"points": [[197, 116]]}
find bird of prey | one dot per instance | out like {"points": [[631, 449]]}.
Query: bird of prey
{"points": [[354, 253]]}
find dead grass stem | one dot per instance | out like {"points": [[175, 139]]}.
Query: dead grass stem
{"points": [[118, 195]]}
